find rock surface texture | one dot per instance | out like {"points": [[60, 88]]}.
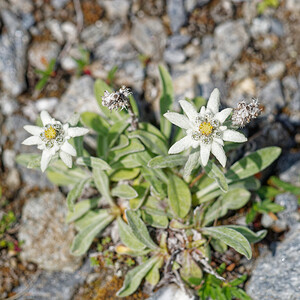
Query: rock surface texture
{"points": [[276, 276], [46, 236]]}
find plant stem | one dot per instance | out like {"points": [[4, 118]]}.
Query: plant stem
{"points": [[134, 118]]}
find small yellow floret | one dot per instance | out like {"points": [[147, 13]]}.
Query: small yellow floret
{"points": [[50, 133], [205, 128]]}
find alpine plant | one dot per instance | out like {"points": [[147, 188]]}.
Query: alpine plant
{"points": [[205, 129]]}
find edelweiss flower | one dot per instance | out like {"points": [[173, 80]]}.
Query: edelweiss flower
{"points": [[53, 138], [204, 129]]}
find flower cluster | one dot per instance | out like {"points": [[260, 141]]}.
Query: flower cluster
{"points": [[117, 100], [204, 129], [244, 113], [52, 138]]}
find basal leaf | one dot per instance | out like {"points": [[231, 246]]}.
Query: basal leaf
{"points": [[169, 161], [139, 229], [81, 208], [84, 238], [134, 146], [253, 163], [75, 193], [252, 237], [128, 238], [93, 162], [102, 184], [153, 275], [116, 130], [124, 174], [230, 237], [134, 277], [179, 196], [151, 141], [124, 191], [234, 199]]}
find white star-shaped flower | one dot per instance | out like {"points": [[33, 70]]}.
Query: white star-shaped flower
{"points": [[204, 129], [53, 138]]}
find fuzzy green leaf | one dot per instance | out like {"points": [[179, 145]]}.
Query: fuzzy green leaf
{"points": [[134, 146], [102, 184], [81, 208], [230, 237], [93, 162], [253, 163], [169, 161], [124, 191], [252, 237], [234, 199], [139, 229], [84, 238], [214, 172], [116, 130], [95, 122], [128, 238], [179, 196], [134, 277], [75, 193], [124, 174], [151, 141]]}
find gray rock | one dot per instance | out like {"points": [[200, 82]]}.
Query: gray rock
{"points": [[294, 105], [260, 26], [79, 97], [41, 53], [230, 39], [55, 285], [275, 69], [116, 9], [190, 5], [286, 218], [187, 77], [8, 105], [176, 13], [277, 27], [55, 28], [46, 214], [289, 168], [290, 213], [178, 41], [293, 5], [94, 34], [222, 11], [171, 291], [13, 179], [277, 276], [12, 130], [149, 37], [9, 156], [21, 6], [291, 86], [271, 97], [172, 56], [13, 48], [59, 4]]}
